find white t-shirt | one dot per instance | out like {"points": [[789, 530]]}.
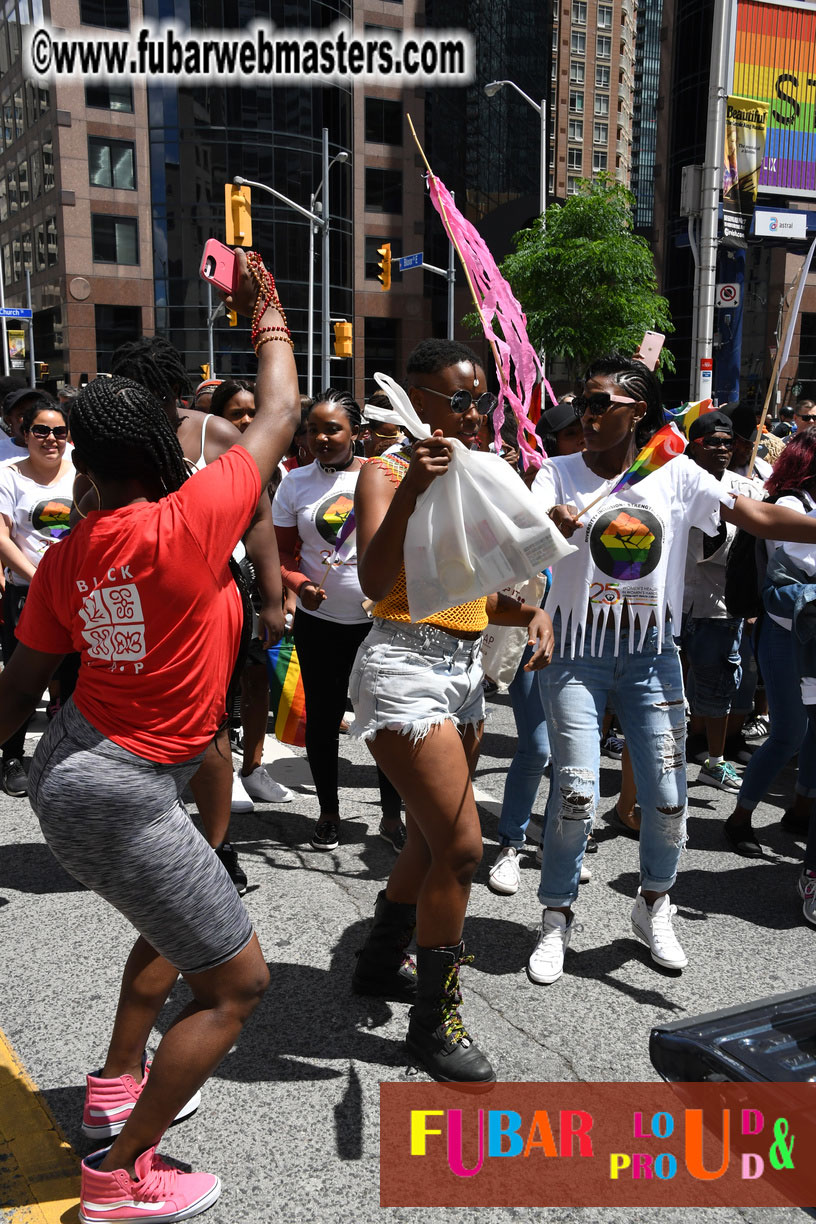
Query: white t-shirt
{"points": [[318, 503], [706, 558], [791, 502], [38, 513], [632, 548], [10, 452]]}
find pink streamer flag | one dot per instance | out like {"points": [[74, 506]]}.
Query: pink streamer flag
{"points": [[498, 305]]}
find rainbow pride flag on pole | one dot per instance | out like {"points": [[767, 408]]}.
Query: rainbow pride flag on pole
{"points": [[286, 695], [687, 414], [666, 444]]}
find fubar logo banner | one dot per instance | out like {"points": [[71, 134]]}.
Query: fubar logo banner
{"points": [[598, 1145]]}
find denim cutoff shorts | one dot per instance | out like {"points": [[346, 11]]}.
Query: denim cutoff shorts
{"points": [[409, 678]]}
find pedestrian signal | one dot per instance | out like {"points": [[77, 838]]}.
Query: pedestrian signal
{"points": [[233, 318], [342, 339], [205, 372], [384, 275]]}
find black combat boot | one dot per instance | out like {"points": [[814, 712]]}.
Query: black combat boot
{"points": [[436, 1034], [383, 968]]}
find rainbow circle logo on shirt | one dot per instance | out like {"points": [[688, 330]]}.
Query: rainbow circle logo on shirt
{"points": [[52, 517], [626, 543], [331, 514]]}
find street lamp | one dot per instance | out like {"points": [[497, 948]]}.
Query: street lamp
{"points": [[318, 209], [541, 107], [319, 221]]}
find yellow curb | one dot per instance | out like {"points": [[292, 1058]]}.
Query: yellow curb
{"points": [[39, 1170]]}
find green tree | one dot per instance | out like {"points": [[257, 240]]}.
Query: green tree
{"points": [[587, 282]]}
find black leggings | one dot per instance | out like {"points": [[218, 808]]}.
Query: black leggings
{"points": [[326, 651]]}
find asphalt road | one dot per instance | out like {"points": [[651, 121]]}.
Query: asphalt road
{"points": [[290, 1119]]}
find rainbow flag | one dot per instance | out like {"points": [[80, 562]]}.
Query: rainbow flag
{"points": [[666, 444], [687, 414], [286, 695]]}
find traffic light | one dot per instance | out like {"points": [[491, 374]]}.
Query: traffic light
{"points": [[233, 318], [238, 206], [205, 372], [384, 275], [342, 339]]}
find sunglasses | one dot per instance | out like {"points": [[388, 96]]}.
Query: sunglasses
{"points": [[461, 401], [60, 432], [802, 417], [716, 443], [599, 403]]}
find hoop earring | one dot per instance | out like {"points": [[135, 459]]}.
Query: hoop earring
{"points": [[98, 498]]}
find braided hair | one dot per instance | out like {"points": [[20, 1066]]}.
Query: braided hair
{"points": [[155, 363], [122, 432], [343, 400], [641, 383]]}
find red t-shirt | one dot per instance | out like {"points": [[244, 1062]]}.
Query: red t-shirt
{"points": [[146, 596]]}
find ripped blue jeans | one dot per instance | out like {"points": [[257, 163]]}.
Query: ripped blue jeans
{"points": [[646, 690]]}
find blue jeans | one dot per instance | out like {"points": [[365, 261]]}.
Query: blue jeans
{"points": [[646, 690], [531, 758], [790, 731], [715, 673]]}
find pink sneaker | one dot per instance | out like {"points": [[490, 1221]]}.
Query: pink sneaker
{"points": [[160, 1193], [108, 1103]]}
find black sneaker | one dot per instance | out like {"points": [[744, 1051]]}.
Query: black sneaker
{"points": [[394, 837], [15, 778], [326, 835], [229, 857]]}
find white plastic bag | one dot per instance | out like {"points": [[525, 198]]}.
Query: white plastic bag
{"points": [[477, 528], [503, 645]]}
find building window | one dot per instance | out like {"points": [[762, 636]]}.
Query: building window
{"points": [[115, 239], [572, 185], [553, 70], [36, 174], [575, 129], [372, 258], [13, 197], [599, 161], [28, 258], [579, 12], [39, 247], [383, 190], [576, 101], [602, 104], [109, 96], [111, 163], [603, 46], [383, 121], [604, 16], [114, 14], [576, 73], [19, 119], [381, 348], [48, 161], [601, 133], [574, 159], [51, 241], [555, 41], [578, 43], [22, 176], [3, 200], [7, 264], [114, 325], [602, 76]]}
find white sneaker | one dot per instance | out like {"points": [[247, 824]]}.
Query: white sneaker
{"points": [[807, 891], [586, 873], [505, 875], [546, 964], [654, 927], [259, 785], [241, 801]]}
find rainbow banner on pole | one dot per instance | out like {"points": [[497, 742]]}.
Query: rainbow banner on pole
{"points": [[687, 414], [286, 697], [666, 444]]}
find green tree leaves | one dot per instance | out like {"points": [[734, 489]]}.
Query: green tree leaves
{"points": [[587, 282]]}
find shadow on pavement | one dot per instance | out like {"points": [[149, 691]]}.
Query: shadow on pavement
{"points": [[31, 867]]}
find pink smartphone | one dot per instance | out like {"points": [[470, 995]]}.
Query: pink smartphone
{"points": [[650, 346], [218, 265]]}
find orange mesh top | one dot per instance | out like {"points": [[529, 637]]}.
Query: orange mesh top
{"points": [[466, 618]]}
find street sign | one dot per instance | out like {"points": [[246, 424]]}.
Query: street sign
{"points": [[410, 261], [14, 312], [728, 294]]}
